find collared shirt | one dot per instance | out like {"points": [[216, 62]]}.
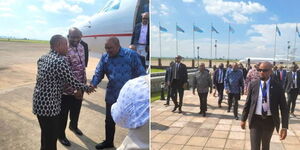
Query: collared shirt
{"points": [[53, 72], [76, 59], [143, 34], [234, 82], [132, 107], [294, 75], [202, 81], [118, 69], [259, 101]]}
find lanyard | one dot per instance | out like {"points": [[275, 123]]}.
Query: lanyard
{"points": [[264, 92]]}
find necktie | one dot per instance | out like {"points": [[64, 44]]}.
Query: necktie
{"points": [[264, 100], [281, 75]]}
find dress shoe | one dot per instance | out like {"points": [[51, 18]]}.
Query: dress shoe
{"points": [[236, 118], [76, 130], [204, 114], [104, 145], [180, 111], [200, 112], [64, 141], [228, 111], [220, 106], [174, 109], [167, 104]]}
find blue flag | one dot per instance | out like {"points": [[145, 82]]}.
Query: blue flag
{"points": [[231, 29], [163, 29], [197, 29], [213, 29], [297, 31], [179, 29], [278, 31]]}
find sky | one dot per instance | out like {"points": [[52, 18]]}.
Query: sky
{"points": [[40, 19], [254, 23]]}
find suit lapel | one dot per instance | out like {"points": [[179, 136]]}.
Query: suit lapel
{"points": [[271, 91]]}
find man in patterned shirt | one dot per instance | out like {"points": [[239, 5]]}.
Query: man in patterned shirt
{"points": [[252, 75], [53, 72], [72, 98], [234, 86], [119, 65]]}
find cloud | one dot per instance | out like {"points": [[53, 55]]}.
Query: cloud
{"points": [[41, 21], [83, 1], [80, 20], [188, 1], [235, 11], [59, 6], [2, 15], [274, 18], [33, 8]]}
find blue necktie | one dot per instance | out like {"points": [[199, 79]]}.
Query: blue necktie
{"points": [[264, 100]]}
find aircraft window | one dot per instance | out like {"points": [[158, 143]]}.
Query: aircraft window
{"points": [[111, 5]]}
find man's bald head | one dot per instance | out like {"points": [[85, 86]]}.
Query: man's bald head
{"points": [[265, 70], [74, 36], [202, 67], [112, 46]]}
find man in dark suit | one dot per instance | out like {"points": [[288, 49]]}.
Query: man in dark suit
{"points": [[282, 75], [218, 81], [167, 82], [178, 80], [86, 52], [291, 86], [276, 74], [264, 97], [140, 37]]}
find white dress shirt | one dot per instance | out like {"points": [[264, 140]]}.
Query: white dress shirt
{"points": [[294, 79], [143, 34], [259, 101]]}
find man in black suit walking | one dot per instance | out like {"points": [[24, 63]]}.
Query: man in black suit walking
{"points": [[167, 82], [291, 86], [178, 80], [264, 98], [218, 81]]}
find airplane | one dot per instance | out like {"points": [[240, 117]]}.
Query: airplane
{"points": [[117, 18], [254, 60]]}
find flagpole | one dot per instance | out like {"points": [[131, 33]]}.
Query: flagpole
{"points": [[295, 37], [211, 42], [159, 42], [228, 42], [275, 43], [193, 41], [176, 41]]}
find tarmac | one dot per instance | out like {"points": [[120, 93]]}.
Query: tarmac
{"points": [[217, 131], [19, 128]]}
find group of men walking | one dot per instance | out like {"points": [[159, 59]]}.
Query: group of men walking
{"points": [[264, 85]]}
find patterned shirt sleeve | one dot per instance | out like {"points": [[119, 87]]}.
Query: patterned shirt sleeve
{"points": [[99, 73], [67, 75], [139, 70]]}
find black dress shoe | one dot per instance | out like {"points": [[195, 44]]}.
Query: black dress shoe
{"points": [[180, 111], [174, 109], [236, 118], [104, 145], [76, 131], [200, 112], [64, 141], [220, 106], [167, 104], [204, 114]]}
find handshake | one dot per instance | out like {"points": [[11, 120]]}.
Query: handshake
{"points": [[91, 89]]}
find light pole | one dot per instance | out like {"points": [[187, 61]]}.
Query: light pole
{"points": [[198, 55]]}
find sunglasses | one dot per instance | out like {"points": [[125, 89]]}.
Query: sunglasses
{"points": [[263, 70]]}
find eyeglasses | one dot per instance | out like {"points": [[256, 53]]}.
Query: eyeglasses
{"points": [[263, 70]]}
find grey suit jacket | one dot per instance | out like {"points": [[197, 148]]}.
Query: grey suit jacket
{"points": [[277, 101], [289, 81]]}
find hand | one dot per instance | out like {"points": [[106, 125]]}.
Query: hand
{"points": [[91, 89], [227, 91], [78, 95], [282, 134], [243, 124], [210, 91]]}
